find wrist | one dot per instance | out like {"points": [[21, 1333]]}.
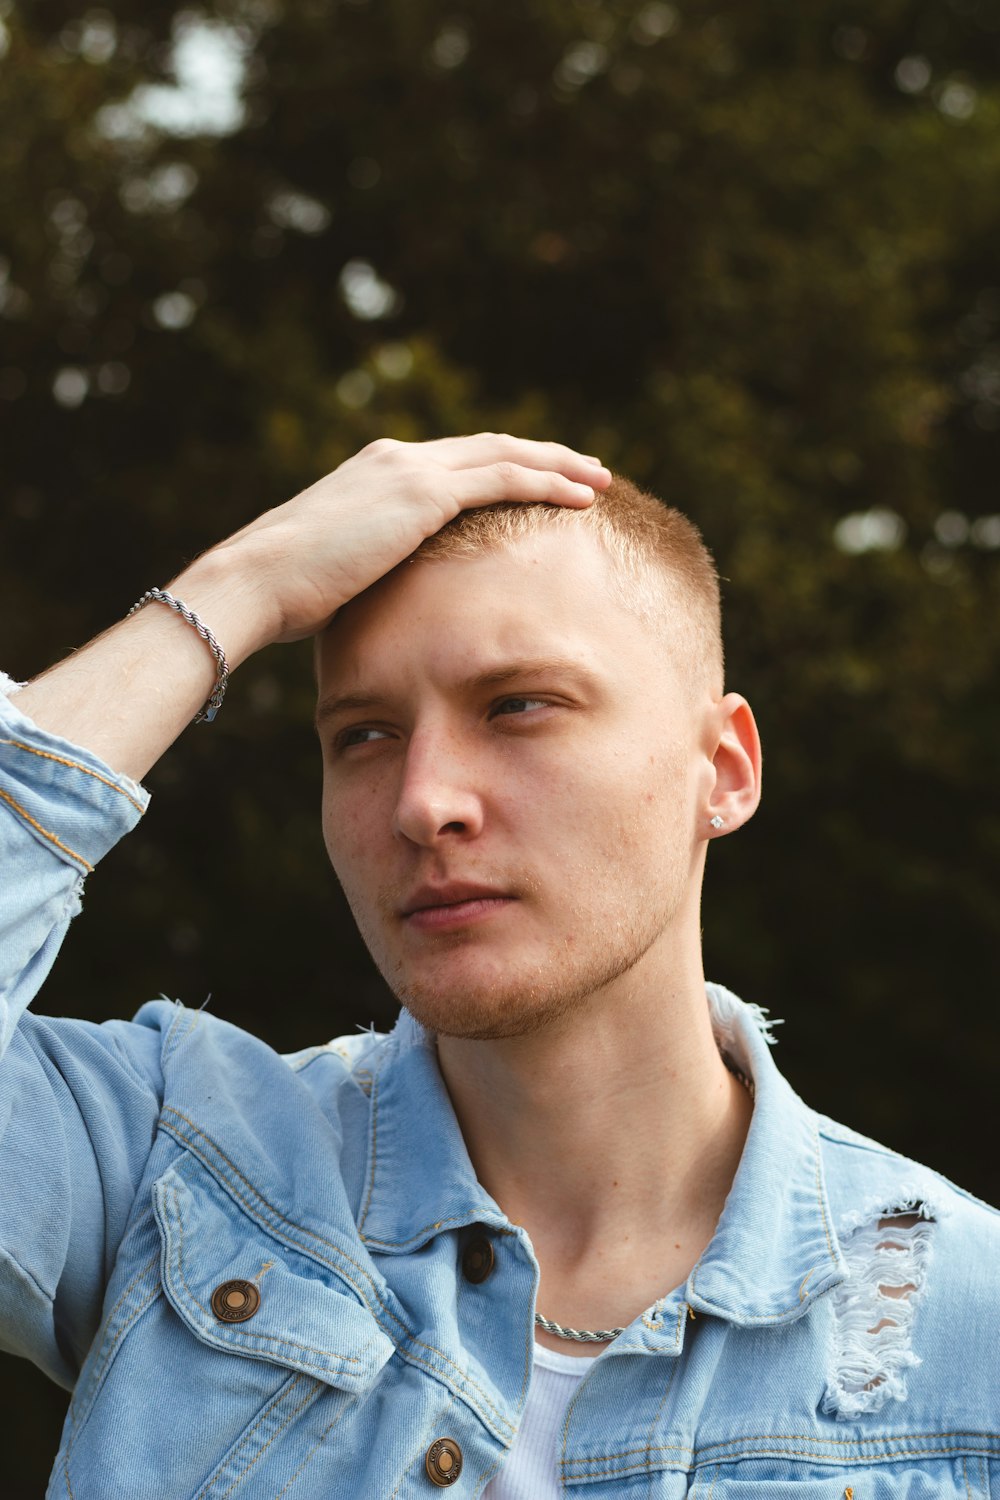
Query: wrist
{"points": [[226, 588]]}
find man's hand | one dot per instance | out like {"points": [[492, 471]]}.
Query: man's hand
{"points": [[314, 553], [129, 693]]}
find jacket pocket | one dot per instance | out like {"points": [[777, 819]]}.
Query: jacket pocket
{"points": [[281, 1306], [176, 1400]]}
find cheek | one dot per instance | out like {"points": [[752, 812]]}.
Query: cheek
{"points": [[352, 829]]}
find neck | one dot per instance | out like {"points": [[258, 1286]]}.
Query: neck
{"points": [[613, 1136]]}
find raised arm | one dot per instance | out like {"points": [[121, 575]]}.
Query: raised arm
{"points": [[129, 693]]}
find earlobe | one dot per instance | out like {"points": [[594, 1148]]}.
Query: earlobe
{"points": [[736, 762]]}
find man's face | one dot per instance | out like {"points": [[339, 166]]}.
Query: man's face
{"points": [[512, 783]]}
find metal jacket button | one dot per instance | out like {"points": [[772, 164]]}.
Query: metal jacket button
{"points": [[444, 1462], [478, 1260], [235, 1301]]}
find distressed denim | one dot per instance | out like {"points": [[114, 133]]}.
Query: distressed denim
{"points": [[817, 1351]]}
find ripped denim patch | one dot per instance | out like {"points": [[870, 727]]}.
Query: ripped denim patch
{"points": [[887, 1253]]}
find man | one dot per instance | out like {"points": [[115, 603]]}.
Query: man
{"points": [[567, 1229]]}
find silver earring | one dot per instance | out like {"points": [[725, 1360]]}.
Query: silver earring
{"points": [[716, 822]]}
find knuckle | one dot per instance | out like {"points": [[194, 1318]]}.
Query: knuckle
{"points": [[507, 473], [381, 447]]}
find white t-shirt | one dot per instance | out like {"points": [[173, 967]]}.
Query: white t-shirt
{"points": [[530, 1471]]}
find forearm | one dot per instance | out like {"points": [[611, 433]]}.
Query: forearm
{"points": [[128, 694]]}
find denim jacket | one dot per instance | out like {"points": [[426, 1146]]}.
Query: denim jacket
{"points": [[249, 1268]]}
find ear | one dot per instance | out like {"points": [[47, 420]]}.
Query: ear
{"points": [[736, 762]]}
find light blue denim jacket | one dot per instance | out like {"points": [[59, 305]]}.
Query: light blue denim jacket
{"points": [[147, 1163]]}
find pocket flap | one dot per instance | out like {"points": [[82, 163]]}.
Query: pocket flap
{"points": [[306, 1319]]}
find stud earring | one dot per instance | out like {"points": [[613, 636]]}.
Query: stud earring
{"points": [[716, 822]]}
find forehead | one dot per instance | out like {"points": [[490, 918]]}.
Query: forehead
{"points": [[543, 594]]}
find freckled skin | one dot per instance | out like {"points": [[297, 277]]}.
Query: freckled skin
{"points": [[583, 804]]}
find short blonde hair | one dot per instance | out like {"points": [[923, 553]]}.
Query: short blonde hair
{"points": [[661, 569]]}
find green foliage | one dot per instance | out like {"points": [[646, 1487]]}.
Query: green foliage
{"points": [[747, 254]]}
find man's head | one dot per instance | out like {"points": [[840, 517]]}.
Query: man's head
{"points": [[525, 738]]}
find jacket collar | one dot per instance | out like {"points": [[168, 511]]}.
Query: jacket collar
{"points": [[774, 1249]]}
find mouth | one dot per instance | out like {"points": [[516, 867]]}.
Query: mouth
{"points": [[449, 908]]}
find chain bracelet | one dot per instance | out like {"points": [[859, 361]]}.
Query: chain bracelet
{"points": [[214, 703]]}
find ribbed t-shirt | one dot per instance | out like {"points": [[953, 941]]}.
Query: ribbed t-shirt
{"points": [[530, 1472]]}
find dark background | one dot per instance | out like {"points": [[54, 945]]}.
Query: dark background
{"points": [[747, 253]]}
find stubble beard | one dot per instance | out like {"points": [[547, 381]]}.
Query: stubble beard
{"points": [[516, 1001]]}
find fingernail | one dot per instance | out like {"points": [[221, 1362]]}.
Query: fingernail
{"points": [[591, 459], [584, 491]]}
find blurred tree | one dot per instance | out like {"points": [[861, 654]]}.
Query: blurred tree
{"points": [[745, 253]]}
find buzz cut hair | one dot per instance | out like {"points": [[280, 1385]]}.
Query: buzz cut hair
{"points": [[660, 568]]}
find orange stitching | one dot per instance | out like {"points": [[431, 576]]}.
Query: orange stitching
{"points": [[900, 1437], [965, 1476], [109, 1320], [680, 1319], [254, 1211], [270, 1338], [659, 1409], [864, 1458], [45, 832], [774, 1317], [318, 1443], [569, 1413], [75, 766], [409, 1339], [613, 1458], [435, 1224], [311, 1396], [281, 1395], [117, 1340]]}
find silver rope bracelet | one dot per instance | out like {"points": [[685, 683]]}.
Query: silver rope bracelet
{"points": [[214, 703]]}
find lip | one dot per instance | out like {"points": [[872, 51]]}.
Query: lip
{"points": [[457, 914], [450, 894], [434, 908]]}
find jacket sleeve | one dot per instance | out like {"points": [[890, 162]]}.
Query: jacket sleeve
{"points": [[78, 1102]]}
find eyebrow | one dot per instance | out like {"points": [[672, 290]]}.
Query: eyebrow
{"points": [[514, 671]]}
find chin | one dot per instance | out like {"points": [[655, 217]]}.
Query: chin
{"points": [[504, 1005], [491, 1022]]}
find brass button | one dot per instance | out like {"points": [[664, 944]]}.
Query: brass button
{"points": [[235, 1301], [444, 1462], [478, 1260]]}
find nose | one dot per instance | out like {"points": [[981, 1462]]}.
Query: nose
{"points": [[437, 795]]}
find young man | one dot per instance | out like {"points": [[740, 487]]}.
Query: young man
{"points": [[567, 1229]]}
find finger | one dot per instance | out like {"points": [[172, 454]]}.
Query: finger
{"points": [[484, 448], [506, 481]]}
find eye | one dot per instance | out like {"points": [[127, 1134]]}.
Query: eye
{"points": [[358, 734], [518, 705]]}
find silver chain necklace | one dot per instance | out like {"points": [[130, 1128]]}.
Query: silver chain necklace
{"points": [[605, 1335]]}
